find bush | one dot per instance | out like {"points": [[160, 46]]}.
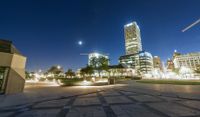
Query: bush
{"points": [[70, 81], [42, 79], [121, 79], [128, 77], [136, 77]]}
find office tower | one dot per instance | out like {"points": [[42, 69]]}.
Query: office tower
{"points": [[132, 38]]}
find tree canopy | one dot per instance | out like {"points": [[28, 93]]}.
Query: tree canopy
{"points": [[55, 70], [99, 63], [88, 70], [70, 73]]}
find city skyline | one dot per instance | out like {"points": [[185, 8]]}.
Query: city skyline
{"points": [[46, 41]]}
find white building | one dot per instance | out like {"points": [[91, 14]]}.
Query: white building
{"points": [[190, 60], [132, 38]]}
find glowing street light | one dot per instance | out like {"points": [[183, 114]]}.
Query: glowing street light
{"points": [[59, 67]]}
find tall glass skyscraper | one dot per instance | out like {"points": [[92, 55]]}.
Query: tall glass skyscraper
{"points": [[132, 38], [135, 58]]}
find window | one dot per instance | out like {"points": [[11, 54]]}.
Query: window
{"points": [[5, 46], [3, 78]]}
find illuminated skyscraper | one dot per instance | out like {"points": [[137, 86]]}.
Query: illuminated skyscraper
{"points": [[135, 58], [132, 38]]}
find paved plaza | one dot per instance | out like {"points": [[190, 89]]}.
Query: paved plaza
{"points": [[129, 99]]}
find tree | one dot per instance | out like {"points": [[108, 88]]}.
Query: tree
{"points": [[104, 65], [70, 73], [88, 70], [83, 72], [27, 75], [56, 70], [99, 64]]}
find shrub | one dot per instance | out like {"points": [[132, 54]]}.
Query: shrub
{"points": [[136, 77]]}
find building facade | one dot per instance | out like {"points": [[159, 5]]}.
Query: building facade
{"points": [[190, 60], [157, 63], [170, 65], [120, 71], [132, 38], [142, 61], [12, 68]]}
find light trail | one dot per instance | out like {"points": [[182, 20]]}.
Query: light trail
{"points": [[190, 26]]}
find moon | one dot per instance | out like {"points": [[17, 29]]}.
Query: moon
{"points": [[80, 43]]}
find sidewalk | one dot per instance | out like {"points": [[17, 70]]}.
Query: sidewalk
{"points": [[109, 101]]}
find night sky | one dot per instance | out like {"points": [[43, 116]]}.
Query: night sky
{"points": [[48, 31]]}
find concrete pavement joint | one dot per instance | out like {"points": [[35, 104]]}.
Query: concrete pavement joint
{"points": [[187, 106], [15, 107], [144, 105], [162, 95], [107, 109], [65, 110], [109, 101], [18, 109]]}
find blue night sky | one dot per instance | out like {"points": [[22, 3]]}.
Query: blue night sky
{"points": [[48, 31]]}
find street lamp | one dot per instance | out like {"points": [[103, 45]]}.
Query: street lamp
{"points": [[58, 67]]}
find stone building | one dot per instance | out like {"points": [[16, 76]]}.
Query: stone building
{"points": [[12, 68]]}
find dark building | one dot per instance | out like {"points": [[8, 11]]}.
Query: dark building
{"points": [[12, 68]]}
